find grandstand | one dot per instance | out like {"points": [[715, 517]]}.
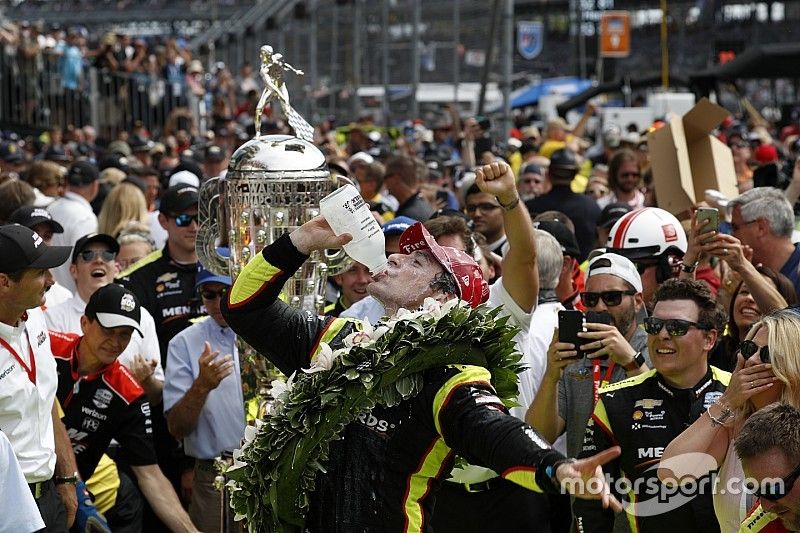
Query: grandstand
{"points": [[341, 44]]}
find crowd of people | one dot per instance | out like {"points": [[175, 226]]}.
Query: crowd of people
{"points": [[120, 369], [147, 79]]}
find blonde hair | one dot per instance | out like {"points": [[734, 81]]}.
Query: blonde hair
{"points": [[134, 231], [783, 334], [124, 203], [44, 174]]}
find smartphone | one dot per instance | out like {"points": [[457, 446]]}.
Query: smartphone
{"points": [[710, 214], [599, 317], [570, 323]]}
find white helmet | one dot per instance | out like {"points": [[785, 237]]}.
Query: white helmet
{"points": [[647, 233]]}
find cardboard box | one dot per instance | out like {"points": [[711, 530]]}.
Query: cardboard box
{"points": [[686, 160]]}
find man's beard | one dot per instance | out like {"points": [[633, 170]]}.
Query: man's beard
{"points": [[624, 320]]}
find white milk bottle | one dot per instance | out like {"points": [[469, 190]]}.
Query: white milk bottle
{"points": [[347, 212]]}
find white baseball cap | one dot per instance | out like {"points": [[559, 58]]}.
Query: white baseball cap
{"points": [[616, 265], [361, 156]]}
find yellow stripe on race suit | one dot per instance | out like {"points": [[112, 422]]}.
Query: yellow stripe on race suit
{"points": [[721, 376], [334, 328], [146, 260], [630, 511], [635, 380], [253, 276], [524, 476], [601, 416], [419, 482], [467, 374]]}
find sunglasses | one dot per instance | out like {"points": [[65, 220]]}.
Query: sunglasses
{"points": [[183, 221], [610, 298], [91, 255], [775, 490], [208, 294], [485, 208], [748, 349], [675, 326]]}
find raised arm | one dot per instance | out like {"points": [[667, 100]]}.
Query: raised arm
{"points": [[287, 336], [520, 274]]}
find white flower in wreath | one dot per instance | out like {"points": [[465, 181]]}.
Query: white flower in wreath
{"points": [[279, 390], [360, 337], [324, 359]]}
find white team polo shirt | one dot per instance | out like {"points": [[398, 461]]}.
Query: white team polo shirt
{"points": [[66, 318], [25, 407]]}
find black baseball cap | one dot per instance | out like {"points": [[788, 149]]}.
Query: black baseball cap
{"points": [[214, 153], [178, 198], [88, 239], [22, 248], [564, 158], [10, 152], [569, 245], [611, 213], [31, 216], [114, 306], [82, 173]]}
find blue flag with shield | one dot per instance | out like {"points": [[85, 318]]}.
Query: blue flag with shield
{"points": [[530, 38]]}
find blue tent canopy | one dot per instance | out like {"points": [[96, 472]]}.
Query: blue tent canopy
{"points": [[530, 94]]}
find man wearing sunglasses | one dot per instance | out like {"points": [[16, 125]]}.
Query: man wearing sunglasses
{"points": [[203, 397], [645, 413], [93, 266], [615, 350], [164, 283], [769, 448]]}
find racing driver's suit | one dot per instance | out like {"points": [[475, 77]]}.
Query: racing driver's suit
{"points": [[642, 415], [385, 473]]}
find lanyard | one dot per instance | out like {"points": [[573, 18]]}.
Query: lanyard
{"points": [[596, 383], [31, 371]]}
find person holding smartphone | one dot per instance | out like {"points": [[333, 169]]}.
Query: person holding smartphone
{"points": [[614, 351]]}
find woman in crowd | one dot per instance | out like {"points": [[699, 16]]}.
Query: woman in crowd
{"points": [[759, 291], [135, 243], [48, 178], [124, 203], [743, 312], [767, 370]]}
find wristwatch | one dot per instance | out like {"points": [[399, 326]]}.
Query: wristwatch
{"points": [[67, 480], [689, 268], [636, 364]]}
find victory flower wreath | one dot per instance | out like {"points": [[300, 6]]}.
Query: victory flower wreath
{"points": [[273, 474]]}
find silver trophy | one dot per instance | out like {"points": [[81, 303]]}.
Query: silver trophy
{"points": [[273, 185]]}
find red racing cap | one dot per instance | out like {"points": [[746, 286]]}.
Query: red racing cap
{"points": [[472, 288]]}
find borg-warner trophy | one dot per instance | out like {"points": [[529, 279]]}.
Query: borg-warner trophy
{"points": [[273, 185]]}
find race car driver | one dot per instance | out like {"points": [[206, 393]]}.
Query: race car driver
{"points": [[365, 484], [644, 413], [102, 401]]}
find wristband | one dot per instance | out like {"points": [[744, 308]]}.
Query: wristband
{"points": [[723, 418], [67, 480], [550, 471], [509, 206]]}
